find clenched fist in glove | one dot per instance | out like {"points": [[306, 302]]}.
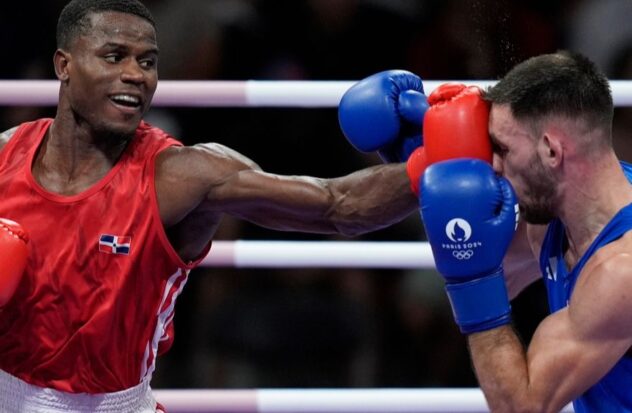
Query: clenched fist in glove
{"points": [[384, 113], [455, 126], [470, 215], [13, 255]]}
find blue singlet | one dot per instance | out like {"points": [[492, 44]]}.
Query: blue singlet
{"points": [[613, 393]]}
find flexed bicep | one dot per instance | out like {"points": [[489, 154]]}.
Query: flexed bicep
{"points": [[571, 350]]}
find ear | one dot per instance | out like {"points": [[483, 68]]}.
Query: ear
{"points": [[551, 150], [61, 62]]}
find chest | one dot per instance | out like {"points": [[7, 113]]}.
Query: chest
{"points": [[69, 180]]}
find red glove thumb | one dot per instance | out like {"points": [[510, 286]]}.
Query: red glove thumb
{"points": [[415, 168]]}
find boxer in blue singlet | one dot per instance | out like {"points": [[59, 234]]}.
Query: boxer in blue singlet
{"points": [[550, 123], [613, 392]]}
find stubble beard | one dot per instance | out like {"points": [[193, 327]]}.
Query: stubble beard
{"points": [[538, 207]]}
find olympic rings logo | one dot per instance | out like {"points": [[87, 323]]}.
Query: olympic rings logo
{"points": [[462, 254]]}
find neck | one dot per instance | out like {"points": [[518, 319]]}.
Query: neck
{"points": [[592, 194], [73, 156]]}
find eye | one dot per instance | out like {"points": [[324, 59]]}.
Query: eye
{"points": [[148, 63], [499, 150], [112, 57]]}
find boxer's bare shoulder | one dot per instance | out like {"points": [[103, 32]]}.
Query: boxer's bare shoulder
{"points": [[6, 135]]}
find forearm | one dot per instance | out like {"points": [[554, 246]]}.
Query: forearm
{"points": [[371, 199], [470, 217], [500, 364], [363, 201]]}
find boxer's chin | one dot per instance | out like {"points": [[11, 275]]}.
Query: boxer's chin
{"points": [[113, 134]]}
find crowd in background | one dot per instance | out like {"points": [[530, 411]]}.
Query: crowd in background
{"points": [[326, 327]]}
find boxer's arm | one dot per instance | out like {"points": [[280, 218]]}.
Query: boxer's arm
{"points": [[6, 135], [209, 180], [571, 349], [521, 262]]}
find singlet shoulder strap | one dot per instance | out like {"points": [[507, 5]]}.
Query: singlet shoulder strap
{"points": [[618, 225], [20, 138], [553, 243]]}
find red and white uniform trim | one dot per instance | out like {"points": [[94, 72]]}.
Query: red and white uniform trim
{"points": [[165, 317]]}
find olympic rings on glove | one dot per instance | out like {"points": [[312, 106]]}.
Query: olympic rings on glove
{"points": [[462, 254]]}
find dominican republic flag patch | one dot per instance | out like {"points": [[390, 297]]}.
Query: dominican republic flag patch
{"points": [[114, 244]]}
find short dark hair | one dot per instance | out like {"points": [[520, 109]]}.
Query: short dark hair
{"points": [[562, 83], [73, 19]]}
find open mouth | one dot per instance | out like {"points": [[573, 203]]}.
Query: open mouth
{"points": [[127, 101]]}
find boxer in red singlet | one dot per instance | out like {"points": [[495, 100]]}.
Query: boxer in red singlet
{"points": [[118, 212]]}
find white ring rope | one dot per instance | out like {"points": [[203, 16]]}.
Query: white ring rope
{"points": [[249, 93], [322, 254], [325, 401]]}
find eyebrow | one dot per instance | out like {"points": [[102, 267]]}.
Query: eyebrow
{"points": [[119, 46]]}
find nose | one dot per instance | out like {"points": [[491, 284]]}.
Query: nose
{"points": [[131, 72]]}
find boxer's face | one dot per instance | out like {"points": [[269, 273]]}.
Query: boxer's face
{"points": [[516, 158], [112, 72]]}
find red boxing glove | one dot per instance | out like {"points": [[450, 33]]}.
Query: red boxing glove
{"points": [[13, 255], [415, 167], [455, 125]]}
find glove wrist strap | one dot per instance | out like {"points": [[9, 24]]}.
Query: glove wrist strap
{"points": [[480, 304]]}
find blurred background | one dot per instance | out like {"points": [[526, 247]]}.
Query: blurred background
{"points": [[326, 327]]}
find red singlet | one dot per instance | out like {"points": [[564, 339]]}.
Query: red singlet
{"points": [[96, 304]]}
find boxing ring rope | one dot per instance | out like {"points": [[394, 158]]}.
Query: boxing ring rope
{"points": [[321, 254], [326, 401], [250, 254], [250, 93]]}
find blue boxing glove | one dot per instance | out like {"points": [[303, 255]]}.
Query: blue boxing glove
{"points": [[470, 215], [384, 113]]}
